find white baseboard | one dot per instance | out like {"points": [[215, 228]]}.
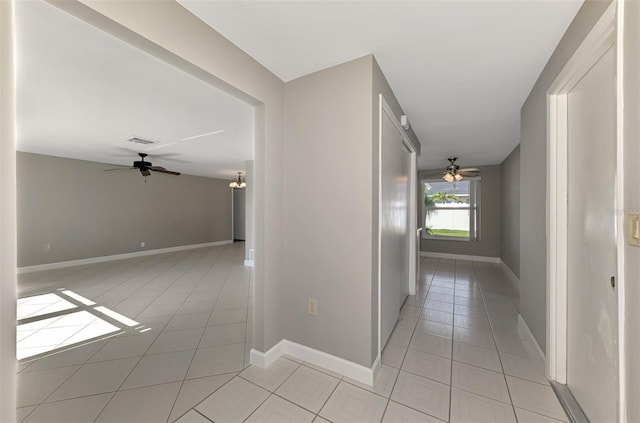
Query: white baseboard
{"points": [[531, 345], [460, 257], [92, 260], [513, 280], [339, 365], [263, 360], [248, 263]]}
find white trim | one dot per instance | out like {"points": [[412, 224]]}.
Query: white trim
{"points": [[248, 263], [264, 360], [379, 234], [621, 282], [233, 213], [531, 345], [557, 241], [596, 43], [414, 242], [102, 259], [486, 259], [606, 33], [327, 361], [511, 277]]}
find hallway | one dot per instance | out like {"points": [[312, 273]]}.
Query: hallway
{"points": [[454, 356]]}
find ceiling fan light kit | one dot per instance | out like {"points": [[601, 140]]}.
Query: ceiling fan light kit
{"points": [[453, 173], [238, 183]]}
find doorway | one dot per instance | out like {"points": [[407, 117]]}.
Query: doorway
{"points": [[583, 342], [231, 258], [239, 214]]}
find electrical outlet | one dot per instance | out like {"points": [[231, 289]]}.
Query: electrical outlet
{"points": [[46, 247], [142, 244], [633, 231], [312, 306]]}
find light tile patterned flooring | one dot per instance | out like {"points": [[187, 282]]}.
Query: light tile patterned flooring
{"points": [[189, 336], [455, 355]]}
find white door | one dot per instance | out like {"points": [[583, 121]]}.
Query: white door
{"points": [[592, 306], [394, 229]]}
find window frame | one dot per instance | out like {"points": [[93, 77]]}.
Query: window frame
{"points": [[475, 197]]}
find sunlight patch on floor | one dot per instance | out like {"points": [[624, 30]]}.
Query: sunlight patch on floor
{"points": [[48, 322]]}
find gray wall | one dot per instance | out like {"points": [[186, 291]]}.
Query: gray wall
{"points": [[510, 211], [328, 231], [331, 124], [533, 174], [489, 243], [82, 211], [631, 81]]}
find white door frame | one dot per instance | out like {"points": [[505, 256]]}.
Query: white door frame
{"points": [[383, 107], [604, 35]]}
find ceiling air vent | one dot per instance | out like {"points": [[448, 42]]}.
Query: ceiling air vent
{"points": [[139, 140]]}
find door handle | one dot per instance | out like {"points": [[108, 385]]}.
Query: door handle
{"points": [[613, 281]]}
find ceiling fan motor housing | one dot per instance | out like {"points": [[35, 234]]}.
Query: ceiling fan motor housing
{"points": [[142, 164]]}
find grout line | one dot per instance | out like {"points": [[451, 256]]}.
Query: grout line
{"points": [[120, 386], [328, 398], [197, 412], [371, 392], [205, 398], [259, 405], [455, 264], [499, 358], [277, 387], [203, 332], [105, 405], [286, 379], [419, 411], [306, 409]]}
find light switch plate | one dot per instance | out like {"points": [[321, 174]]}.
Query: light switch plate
{"points": [[633, 229]]}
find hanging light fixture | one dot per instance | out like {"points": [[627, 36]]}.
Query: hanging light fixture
{"points": [[238, 183], [451, 172]]}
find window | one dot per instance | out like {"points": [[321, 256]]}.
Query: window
{"points": [[451, 210]]}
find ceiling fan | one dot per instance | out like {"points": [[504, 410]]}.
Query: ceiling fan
{"points": [[145, 167], [453, 173]]}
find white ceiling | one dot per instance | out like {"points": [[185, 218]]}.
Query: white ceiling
{"points": [[82, 92], [460, 69]]}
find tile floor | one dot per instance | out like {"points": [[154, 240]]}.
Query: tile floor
{"points": [[139, 340], [455, 355]]}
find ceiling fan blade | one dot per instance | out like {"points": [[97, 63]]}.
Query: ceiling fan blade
{"points": [[469, 169], [119, 168], [163, 170], [156, 168]]}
